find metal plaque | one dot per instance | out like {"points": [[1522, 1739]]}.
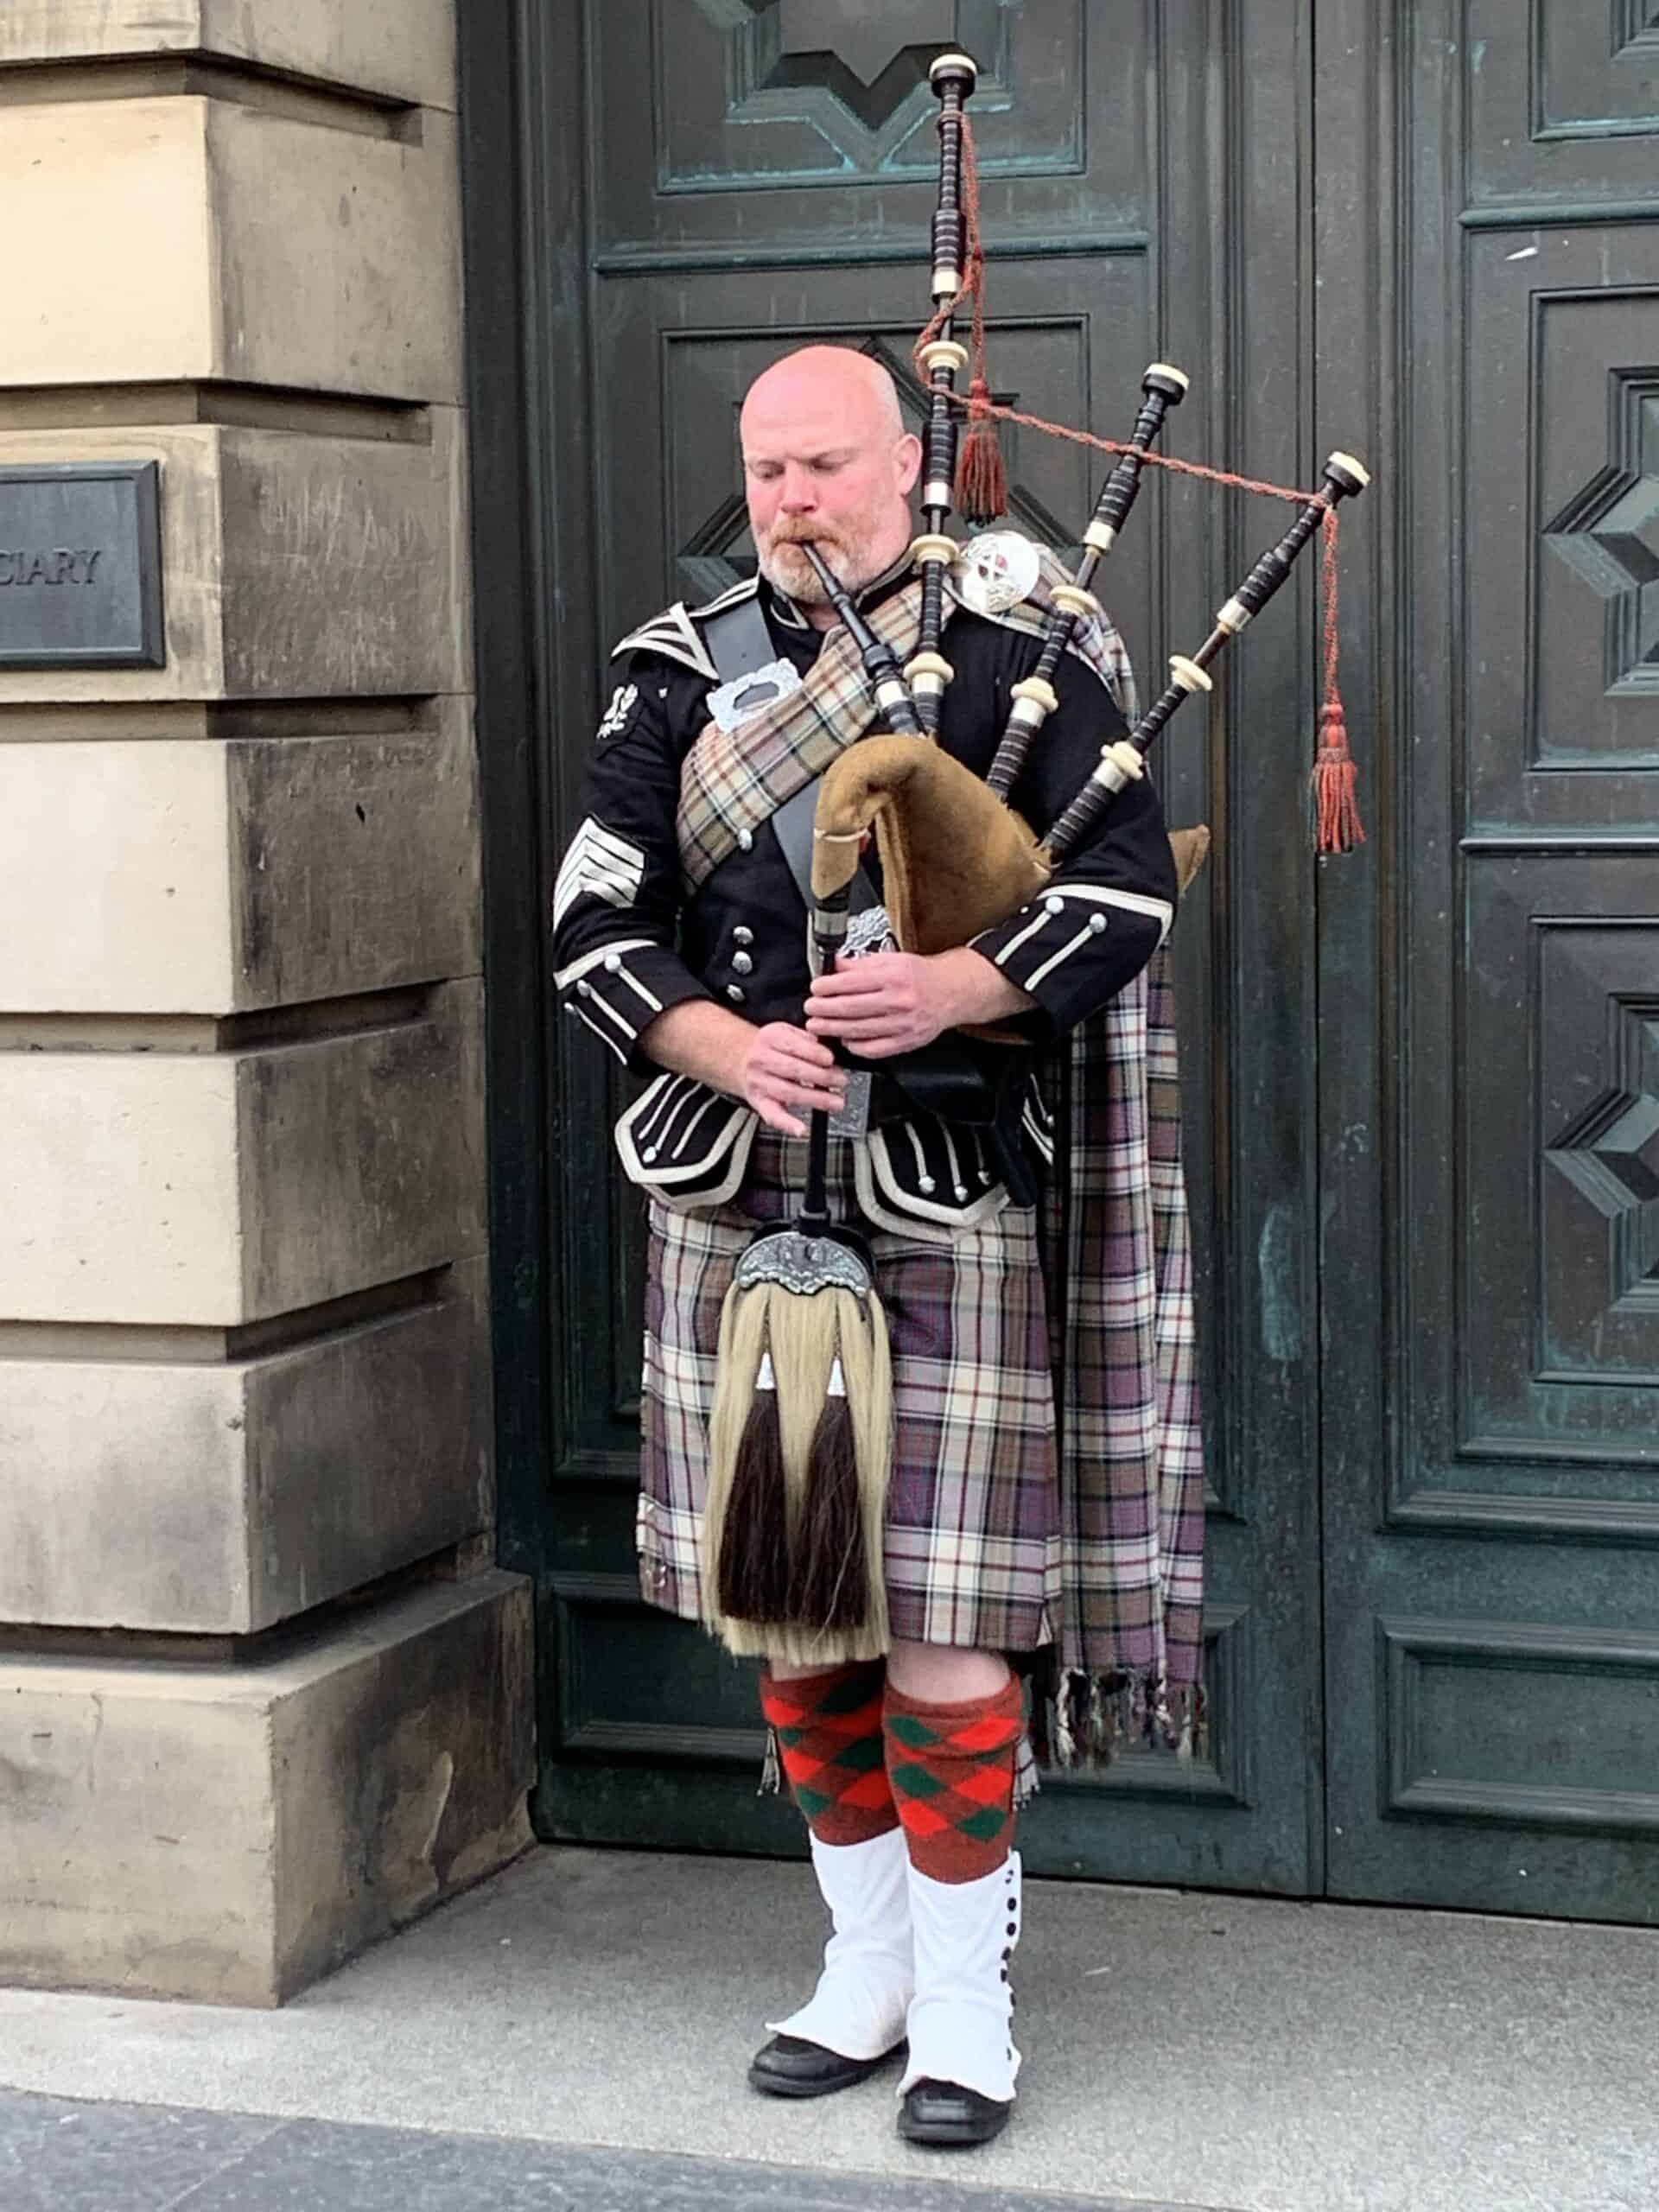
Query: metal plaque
{"points": [[852, 1117], [80, 566]]}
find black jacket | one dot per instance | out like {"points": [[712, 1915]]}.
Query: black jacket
{"points": [[629, 944]]}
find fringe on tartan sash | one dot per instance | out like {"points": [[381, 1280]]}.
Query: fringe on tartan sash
{"points": [[1126, 1670], [1085, 1721]]}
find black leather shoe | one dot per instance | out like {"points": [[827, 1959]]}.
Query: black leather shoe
{"points": [[949, 2117], [789, 2066]]}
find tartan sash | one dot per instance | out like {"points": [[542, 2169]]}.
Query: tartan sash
{"points": [[732, 781], [1126, 1666]]}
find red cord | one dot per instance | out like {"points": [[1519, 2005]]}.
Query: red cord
{"points": [[1337, 812]]}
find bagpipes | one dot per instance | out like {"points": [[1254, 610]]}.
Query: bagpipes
{"points": [[800, 1441]]}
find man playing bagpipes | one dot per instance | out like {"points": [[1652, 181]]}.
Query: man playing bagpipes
{"points": [[919, 1420], [906, 1769]]}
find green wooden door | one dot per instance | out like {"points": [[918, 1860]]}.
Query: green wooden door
{"points": [[1431, 1449], [1490, 1005], [763, 173]]}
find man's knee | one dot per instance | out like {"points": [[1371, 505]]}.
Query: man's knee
{"points": [[946, 1674]]}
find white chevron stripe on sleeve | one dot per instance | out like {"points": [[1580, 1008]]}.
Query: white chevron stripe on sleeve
{"points": [[600, 865]]}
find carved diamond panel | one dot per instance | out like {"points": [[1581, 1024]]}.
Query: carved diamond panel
{"points": [[853, 73], [1611, 1154], [1529, 1213], [870, 61], [1560, 1077], [1600, 1208], [1609, 534], [823, 106], [1560, 95], [1560, 675]]}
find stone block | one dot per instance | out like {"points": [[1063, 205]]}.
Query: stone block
{"points": [[401, 49], [115, 878], [339, 257], [217, 1188], [156, 876], [363, 1157], [218, 1498], [229, 1833], [178, 238], [356, 862], [345, 565], [295, 567]]}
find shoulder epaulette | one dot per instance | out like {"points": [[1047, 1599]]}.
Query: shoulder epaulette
{"points": [[745, 588], [674, 633]]}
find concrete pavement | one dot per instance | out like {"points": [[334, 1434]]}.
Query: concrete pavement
{"points": [[1180, 2048]]}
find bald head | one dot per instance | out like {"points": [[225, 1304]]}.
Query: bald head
{"points": [[828, 381], [827, 458]]}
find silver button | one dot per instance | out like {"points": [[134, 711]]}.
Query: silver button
{"points": [[1052, 906], [742, 936], [735, 992], [745, 840], [651, 1151], [1096, 923], [585, 987], [925, 1183], [570, 1005], [613, 962], [962, 1191], [741, 963]]}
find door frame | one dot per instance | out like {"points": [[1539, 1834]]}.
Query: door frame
{"points": [[524, 163]]}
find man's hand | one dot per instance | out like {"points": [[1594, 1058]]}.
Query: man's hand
{"points": [[888, 1002], [783, 1067], [884, 1003]]}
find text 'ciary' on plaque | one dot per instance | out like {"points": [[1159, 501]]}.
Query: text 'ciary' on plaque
{"points": [[80, 565]]}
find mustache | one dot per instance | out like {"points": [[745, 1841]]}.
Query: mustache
{"points": [[787, 533]]}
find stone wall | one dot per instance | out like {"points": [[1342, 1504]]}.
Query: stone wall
{"points": [[263, 1693]]}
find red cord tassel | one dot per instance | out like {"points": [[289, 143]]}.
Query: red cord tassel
{"points": [[982, 479], [1334, 781]]}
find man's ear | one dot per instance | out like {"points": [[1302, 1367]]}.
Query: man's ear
{"points": [[907, 458]]}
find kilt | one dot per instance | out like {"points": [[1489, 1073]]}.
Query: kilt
{"points": [[973, 1550]]}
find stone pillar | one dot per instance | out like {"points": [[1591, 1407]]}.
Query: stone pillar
{"points": [[263, 1693]]}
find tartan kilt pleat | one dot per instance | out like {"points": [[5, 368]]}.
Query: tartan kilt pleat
{"points": [[973, 1551]]}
